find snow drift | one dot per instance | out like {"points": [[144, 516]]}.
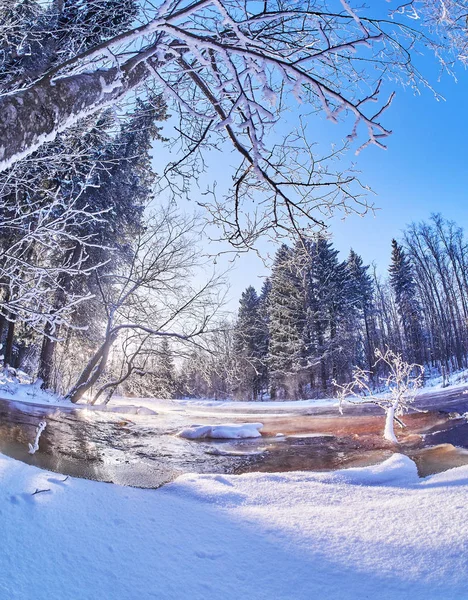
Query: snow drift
{"points": [[229, 431], [377, 532]]}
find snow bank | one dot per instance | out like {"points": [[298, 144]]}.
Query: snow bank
{"points": [[287, 536], [451, 381], [229, 431], [18, 386], [397, 470], [266, 405]]}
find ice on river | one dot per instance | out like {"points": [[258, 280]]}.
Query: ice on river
{"points": [[228, 431]]}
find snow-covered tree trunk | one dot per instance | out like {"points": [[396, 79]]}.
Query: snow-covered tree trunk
{"points": [[38, 113], [389, 431]]}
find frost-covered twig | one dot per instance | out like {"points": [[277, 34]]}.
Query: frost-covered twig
{"points": [[402, 382]]}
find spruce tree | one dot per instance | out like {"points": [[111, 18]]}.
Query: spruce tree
{"points": [[286, 316], [165, 380], [404, 287], [119, 191], [329, 311], [362, 296], [250, 345]]}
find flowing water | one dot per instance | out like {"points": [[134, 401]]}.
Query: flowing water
{"points": [[144, 450]]}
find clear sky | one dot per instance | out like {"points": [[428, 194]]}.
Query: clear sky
{"points": [[424, 170]]}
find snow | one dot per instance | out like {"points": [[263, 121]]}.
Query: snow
{"points": [[207, 407], [263, 405], [453, 381], [228, 431], [18, 386], [374, 532]]}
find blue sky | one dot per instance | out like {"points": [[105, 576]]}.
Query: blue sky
{"points": [[423, 171]]}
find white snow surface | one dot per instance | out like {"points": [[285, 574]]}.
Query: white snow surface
{"points": [[452, 381], [374, 532], [17, 386], [227, 431]]}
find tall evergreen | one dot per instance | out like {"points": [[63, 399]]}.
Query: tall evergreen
{"points": [[165, 379], [286, 313], [362, 296], [329, 306], [39, 35], [405, 290], [118, 193], [250, 345]]}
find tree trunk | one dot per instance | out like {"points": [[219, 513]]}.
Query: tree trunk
{"points": [[35, 115], [9, 343], [2, 326], [93, 370], [389, 432], [46, 359]]}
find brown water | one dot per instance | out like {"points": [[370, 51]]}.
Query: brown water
{"points": [[143, 450]]}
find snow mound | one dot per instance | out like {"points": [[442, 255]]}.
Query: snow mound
{"points": [[18, 386], [229, 431], [396, 470]]}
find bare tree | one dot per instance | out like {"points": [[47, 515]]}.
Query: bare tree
{"points": [[400, 383], [36, 238], [229, 68], [155, 297], [134, 356]]}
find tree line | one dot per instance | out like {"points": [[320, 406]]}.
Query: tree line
{"points": [[317, 318]]}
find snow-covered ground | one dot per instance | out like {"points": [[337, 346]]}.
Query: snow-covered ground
{"points": [[454, 380], [17, 385], [19, 388], [376, 532]]}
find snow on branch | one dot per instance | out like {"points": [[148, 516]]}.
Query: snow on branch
{"points": [[401, 382], [230, 69]]}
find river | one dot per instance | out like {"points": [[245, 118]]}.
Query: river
{"points": [[144, 450]]}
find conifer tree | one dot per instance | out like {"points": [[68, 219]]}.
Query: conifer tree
{"points": [[362, 296], [286, 326], [329, 307], [249, 345], [165, 380], [118, 192], [404, 286]]}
